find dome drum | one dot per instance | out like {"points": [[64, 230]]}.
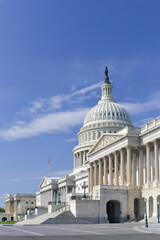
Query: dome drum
{"points": [[106, 117], [107, 111]]}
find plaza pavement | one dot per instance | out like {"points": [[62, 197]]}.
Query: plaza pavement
{"points": [[131, 231]]}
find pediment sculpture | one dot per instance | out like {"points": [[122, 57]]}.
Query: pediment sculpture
{"points": [[103, 142]]}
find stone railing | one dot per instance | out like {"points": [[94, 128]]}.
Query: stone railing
{"points": [[109, 187], [151, 185], [65, 178], [150, 125], [52, 207]]}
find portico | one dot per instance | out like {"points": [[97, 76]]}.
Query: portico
{"points": [[131, 159], [118, 162]]}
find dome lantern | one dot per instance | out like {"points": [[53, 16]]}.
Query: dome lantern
{"points": [[107, 111], [107, 89]]}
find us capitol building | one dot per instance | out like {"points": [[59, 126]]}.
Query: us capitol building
{"points": [[116, 170]]}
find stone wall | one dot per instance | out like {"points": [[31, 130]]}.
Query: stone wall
{"points": [[86, 209], [118, 195], [4, 215]]}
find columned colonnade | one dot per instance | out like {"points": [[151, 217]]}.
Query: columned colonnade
{"points": [[126, 166], [80, 158]]}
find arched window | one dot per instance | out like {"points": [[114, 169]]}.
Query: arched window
{"points": [[89, 136], [85, 137], [94, 135]]}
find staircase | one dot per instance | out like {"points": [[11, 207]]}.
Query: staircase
{"points": [[43, 217], [60, 216], [68, 218], [40, 219], [150, 220]]}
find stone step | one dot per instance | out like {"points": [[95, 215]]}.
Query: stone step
{"points": [[150, 220], [68, 218], [40, 219], [65, 217]]}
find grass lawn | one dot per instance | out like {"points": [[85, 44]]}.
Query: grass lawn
{"points": [[7, 222]]}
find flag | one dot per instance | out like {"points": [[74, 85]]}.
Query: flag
{"points": [[48, 160]]}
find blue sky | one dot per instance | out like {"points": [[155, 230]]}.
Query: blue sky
{"points": [[52, 59]]}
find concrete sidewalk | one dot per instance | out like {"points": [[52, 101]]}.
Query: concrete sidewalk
{"points": [[153, 228]]}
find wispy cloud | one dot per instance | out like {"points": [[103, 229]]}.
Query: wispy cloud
{"points": [[48, 123], [10, 180], [59, 113], [87, 89], [143, 121], [56, 174], [49, 115], [62, 173], [151, 104], [71, 140], [54, 103]]}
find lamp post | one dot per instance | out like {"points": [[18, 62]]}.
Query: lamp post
{"points": [[146, 220], [59, 197], [158, 212], [84, 186]]}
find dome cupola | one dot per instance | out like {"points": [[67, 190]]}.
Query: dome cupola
{"points": [[106, 117], [107, 111], [107, 89]]}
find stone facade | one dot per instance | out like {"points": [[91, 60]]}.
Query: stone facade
{"points": [[18, 204], [115, 165], [5, 217], [119, 163], [132, 161]]}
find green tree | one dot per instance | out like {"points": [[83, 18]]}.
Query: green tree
{"points": [[2, 210]]}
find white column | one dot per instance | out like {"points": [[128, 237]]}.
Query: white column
{"points": [[110, 170], [116, 167], [134, 169], [154, 206], [137, 171], [147, 205], [156, 160], [95, 173], [77, 159], [51, 195], [105, 171], [74, 163], [80, 164], [148, 163], [83, 158], [122, 166], [91, 177], [141, 167], [152, 166], [144, 169], [89, 187], [100, 172], [128, 165]]}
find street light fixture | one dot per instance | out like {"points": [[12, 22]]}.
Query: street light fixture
{"points": [[158, 212], [84, 186], [146, 220], [59, 196]]}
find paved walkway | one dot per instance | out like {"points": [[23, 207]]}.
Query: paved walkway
{"points": [[132, 231], [153, 228]]}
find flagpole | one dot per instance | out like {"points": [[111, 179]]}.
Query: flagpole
{"points": [[48, 166]]}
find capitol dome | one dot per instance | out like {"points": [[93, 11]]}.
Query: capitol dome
{"points": [[107, 111], [106, 117]]}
